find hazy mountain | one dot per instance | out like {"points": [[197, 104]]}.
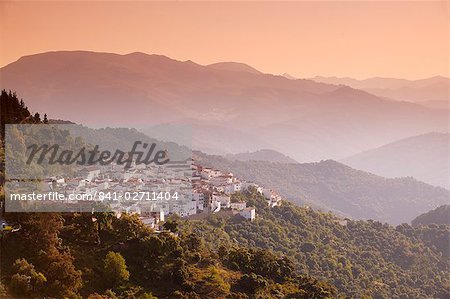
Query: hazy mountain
{"points": [[443, 104], [303, 119], [431, 92], [261, 155], [330, 185], [288, 76], [424, 157], [234, 66], [440, 215]]}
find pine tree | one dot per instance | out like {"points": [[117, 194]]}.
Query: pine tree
{"points": [[37, 117]]}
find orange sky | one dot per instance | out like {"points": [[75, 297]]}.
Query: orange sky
{"points": [[304, 39]]}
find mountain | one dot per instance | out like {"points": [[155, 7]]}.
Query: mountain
{"points": [[288, 76], [438, 104], [234, 67], [440, 215], [330, 185], [303, 119], [432, 92], [424, 157], [261, 155]]}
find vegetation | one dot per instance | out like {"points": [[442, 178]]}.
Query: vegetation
{"points": [[96, 255], [360, 258]]}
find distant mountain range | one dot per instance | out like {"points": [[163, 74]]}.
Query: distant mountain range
{"points": [[432, 92], [261, 155], [330, 185], [231, 107], [424, 157]]}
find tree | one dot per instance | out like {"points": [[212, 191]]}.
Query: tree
{"points": [[45, 119], [115, 269], [128, 226], [26, 281], [37, 117], [171, 225], [251, 283]]}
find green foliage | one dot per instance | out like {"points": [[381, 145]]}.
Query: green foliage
{"points": [[171, 225], [40, 245], [26, 281], [251, 284], [359, 257], [115, 269]]}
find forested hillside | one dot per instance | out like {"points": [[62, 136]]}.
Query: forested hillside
{"points": [[333, 186], [361, 258], [440, 215]]}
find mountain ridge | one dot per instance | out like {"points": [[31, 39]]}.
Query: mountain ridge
{"points": [[139, 90], [330, 185], [425, 157]]}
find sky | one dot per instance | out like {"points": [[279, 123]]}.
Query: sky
{"points": [[345, 39]]}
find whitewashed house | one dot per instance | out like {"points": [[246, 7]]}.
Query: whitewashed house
{"points": [[248, 213], [238, 206], [224, 199]]}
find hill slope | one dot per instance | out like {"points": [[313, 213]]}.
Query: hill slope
{"points": [[303, 119], [424, 157], [432, 92], [440, 215], [361, 258], [334, 186], [261, 155]]}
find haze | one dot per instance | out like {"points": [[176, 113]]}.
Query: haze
{"points": [[305, 39]]}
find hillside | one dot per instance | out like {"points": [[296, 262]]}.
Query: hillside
{"points": [[303, 119], [261, 155], [144, 264], [424, 157], [333, 186], [363, 259], [123, 139], [287, 252], [125, 258], [440, 215]]}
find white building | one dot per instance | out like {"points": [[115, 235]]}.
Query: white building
{"points": [[246, 185], [224, 199], [238, 206], [184, 209], [232, 188], [248, 213]]}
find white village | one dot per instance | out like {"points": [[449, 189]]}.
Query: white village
{"points": [[199, 190]]}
